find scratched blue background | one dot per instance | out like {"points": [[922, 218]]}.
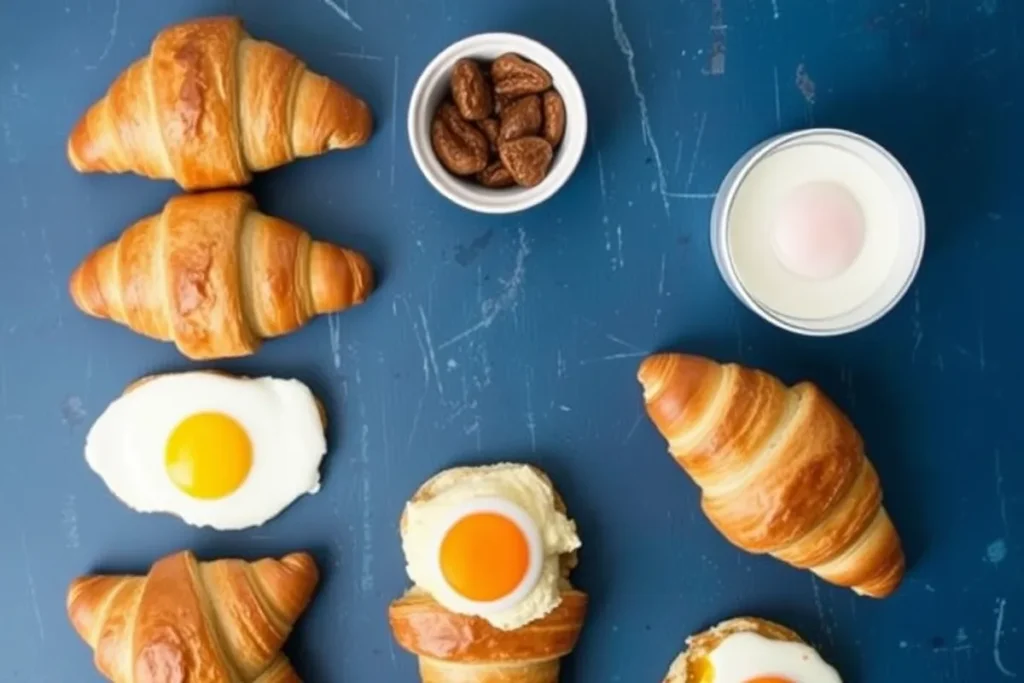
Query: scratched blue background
{"points": [[519, 337]]}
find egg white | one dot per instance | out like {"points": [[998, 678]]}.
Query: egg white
{"points": [[126, 445], [455, 491], [743, 656]]}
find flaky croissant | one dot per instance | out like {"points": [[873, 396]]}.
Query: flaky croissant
{"points": [[215, 276], [209, 105], [781, 470], [200, 622], [456, 648]]}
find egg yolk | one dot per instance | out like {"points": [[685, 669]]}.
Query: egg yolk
{"points": [[701, 671], [208, 455], [484, 556]]}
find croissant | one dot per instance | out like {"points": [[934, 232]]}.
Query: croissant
{"points": [[456, 648], [201, 622], [209, 105], [215, 276], [781, 470]]}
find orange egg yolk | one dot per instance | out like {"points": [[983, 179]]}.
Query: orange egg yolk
{"points": [[484, 556], [208, 455], [701, 671]]}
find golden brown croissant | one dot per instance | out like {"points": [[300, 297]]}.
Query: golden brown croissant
{"points": [[209, 105], [214, 275], [782, 470], [456, 648], [201, 622]]}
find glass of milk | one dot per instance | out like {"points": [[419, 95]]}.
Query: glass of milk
{"points": [[820, 231]]}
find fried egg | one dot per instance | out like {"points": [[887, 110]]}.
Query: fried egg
{"points": [[749, 657], [488, 541], [214, 450]]}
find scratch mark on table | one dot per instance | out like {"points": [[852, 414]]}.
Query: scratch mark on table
{"points": [[431, 354], [564, 408], [531, 423], [559, 365], [334, 330], [366, 576], [343, 13], [622, 342], [632, 430], [618, 262], [982, 57], [600, 179], [661, 278], [693, 195], [998, 636], [507, 299], [775, 10], [69, 521], [819, 606], [360, 56], [646, 132], [679, 155], [805, 84], [31, 580], [614, 356], [394, 120], [386, 443], [718, 30], [778, 102], [696, 151], [110, 37]]}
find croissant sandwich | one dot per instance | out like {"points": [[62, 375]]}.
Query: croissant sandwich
{"points": [[209, 105], [215, 276], [781, 469], [749, 649], [489, 550], [201, 622]]}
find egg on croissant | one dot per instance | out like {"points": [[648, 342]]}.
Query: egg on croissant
{"points": [[749, 650], [491, 542], [215, 450]]}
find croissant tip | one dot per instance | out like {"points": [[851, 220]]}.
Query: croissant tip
{"points": [[302, 562], [650, 368], [80, 608]]}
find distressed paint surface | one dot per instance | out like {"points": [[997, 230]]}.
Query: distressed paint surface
{"points": [[518, 337]]}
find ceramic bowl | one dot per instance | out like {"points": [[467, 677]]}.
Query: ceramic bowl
{"points": [[433, 86]]}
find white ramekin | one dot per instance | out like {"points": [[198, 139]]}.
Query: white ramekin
{"points": [[908, 258], [433, 86]]}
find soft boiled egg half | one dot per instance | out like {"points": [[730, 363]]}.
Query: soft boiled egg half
{"points": [[753, 658], [489, 541], [215, 450], [749, 650]]}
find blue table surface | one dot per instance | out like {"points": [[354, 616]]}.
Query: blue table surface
{"points": [[518, 337]]}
